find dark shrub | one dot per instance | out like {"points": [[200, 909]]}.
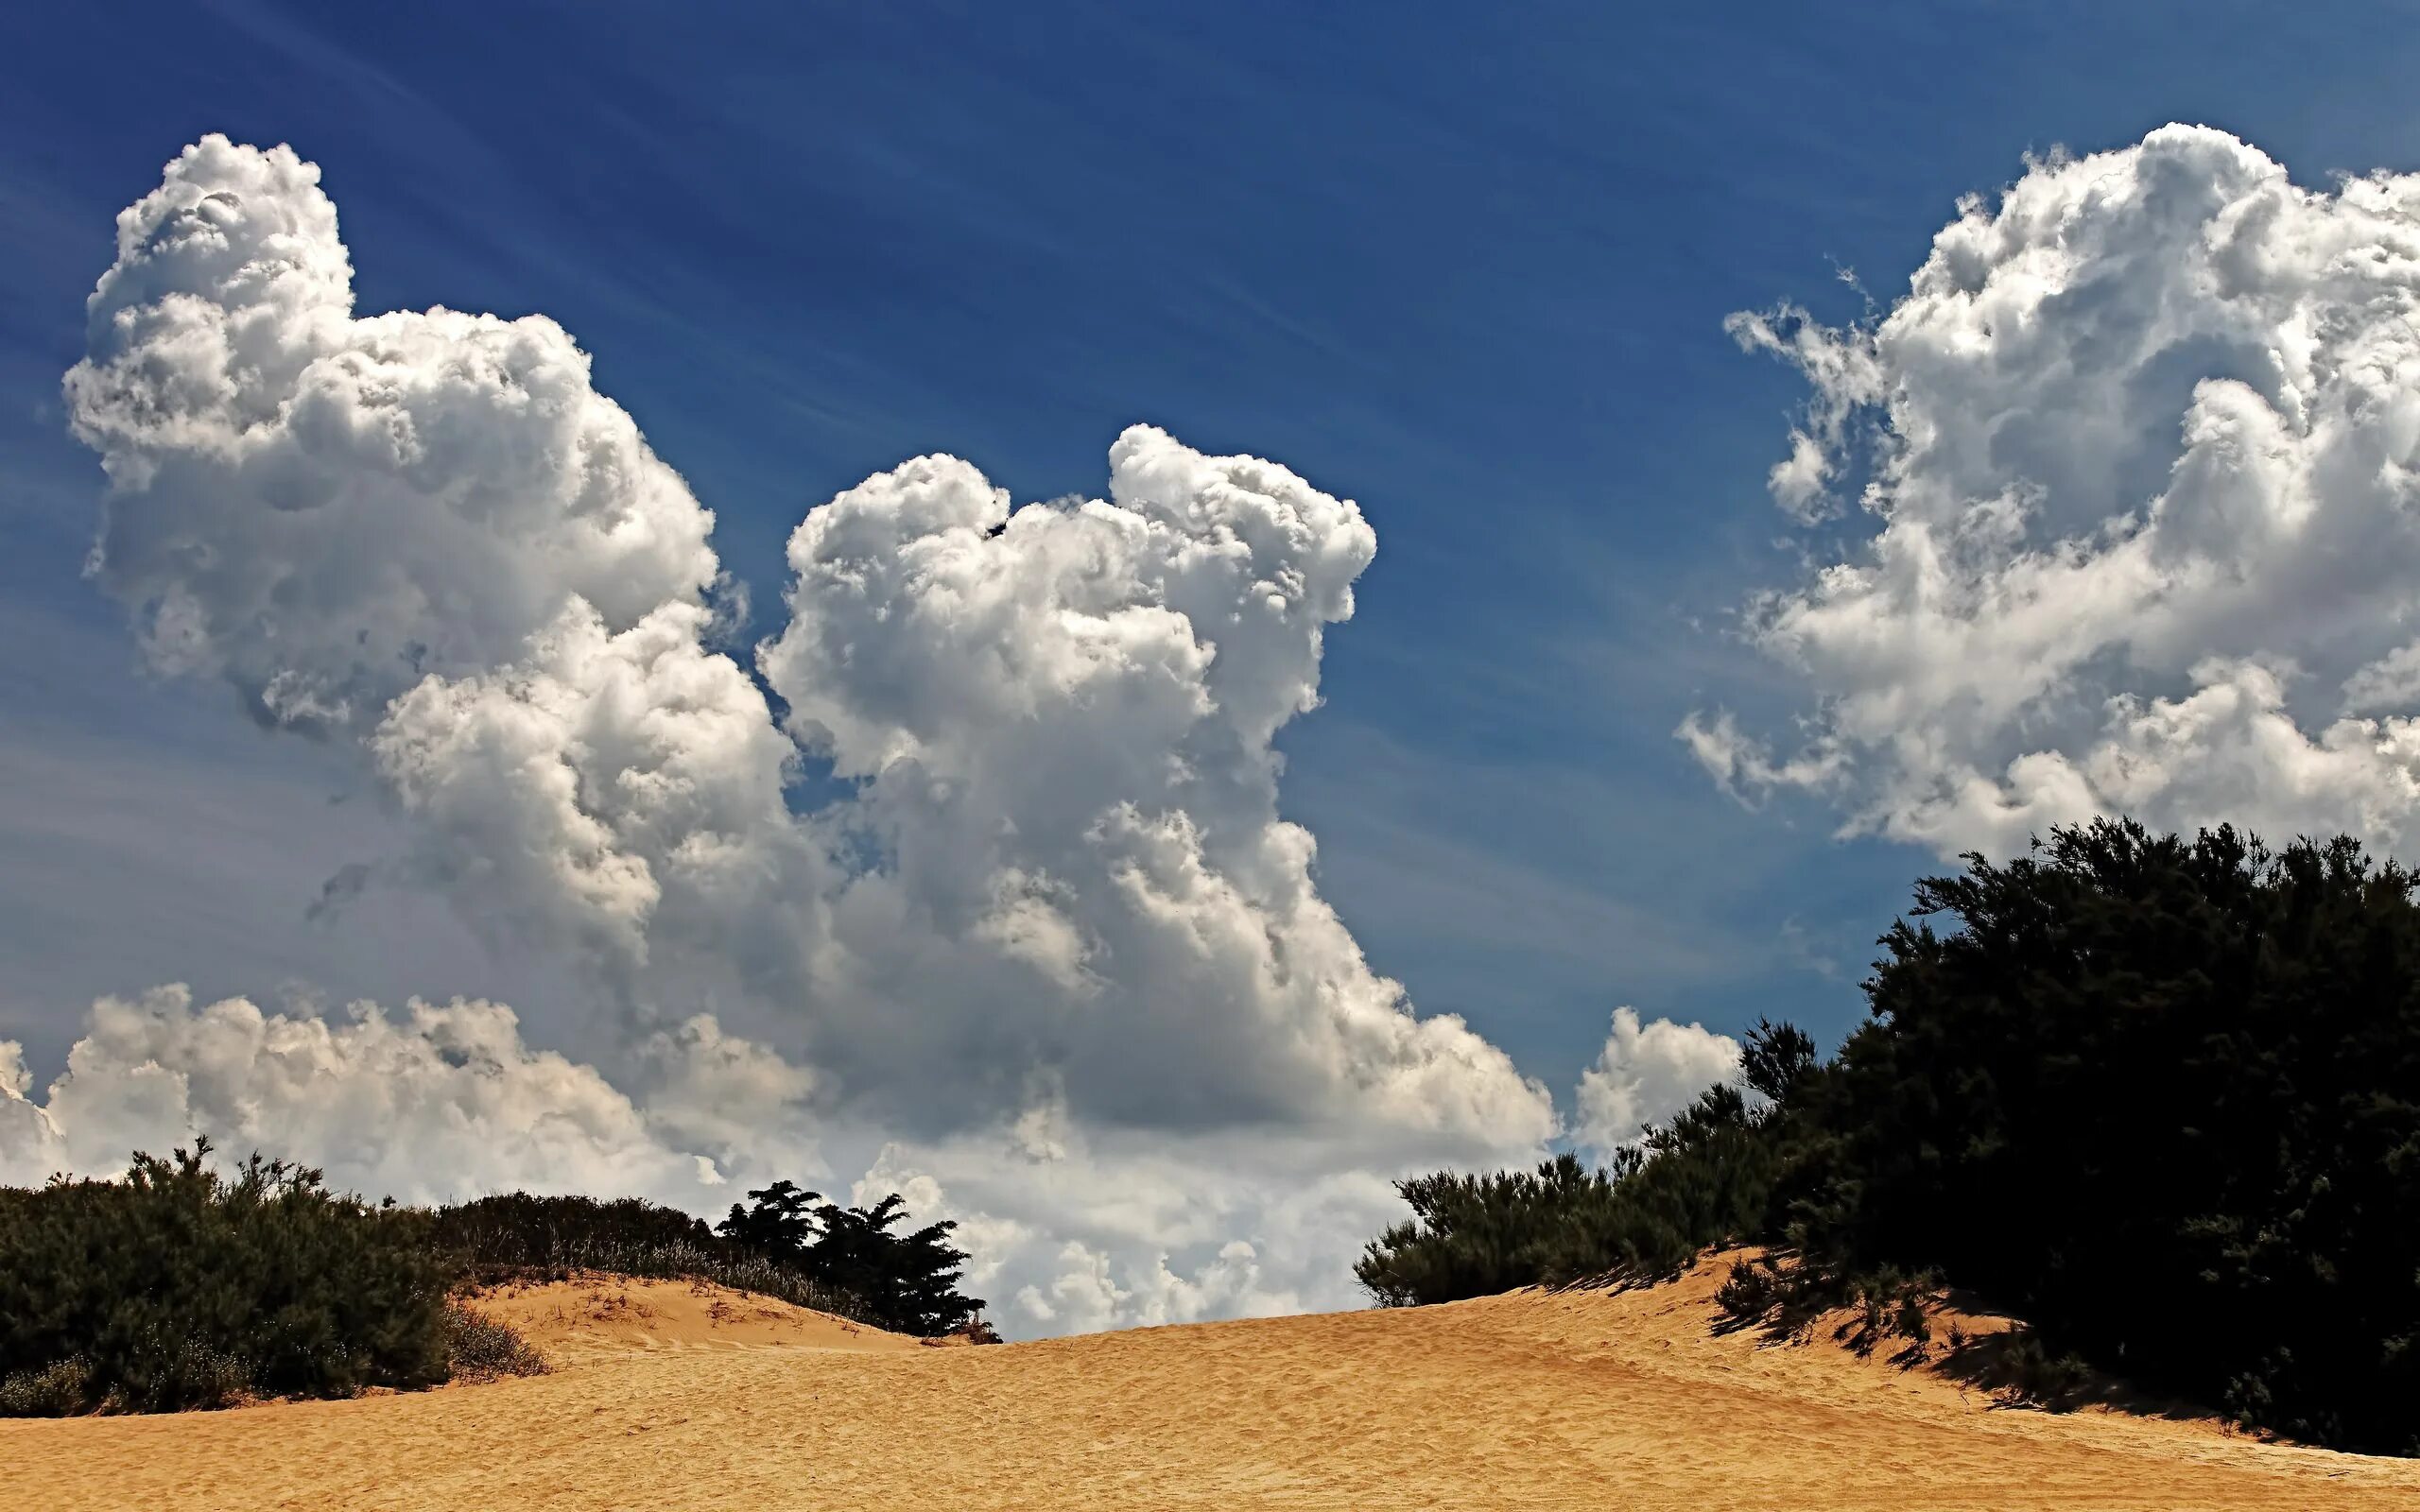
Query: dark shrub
{"points": [[518, 1236], [1476, 1236], [515, 1231], [56, 1390], [1702, 1179], [904, 1282], [785, 1243], [2161, 1098], [180, 1287]]}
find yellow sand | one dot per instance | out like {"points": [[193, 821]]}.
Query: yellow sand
{"points": [[670, 1396]]}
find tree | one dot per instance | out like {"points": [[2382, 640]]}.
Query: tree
{"points": [[779, 1223], [1775, 1058], [907, 1282], [2162, 1097], [910, 1280]]}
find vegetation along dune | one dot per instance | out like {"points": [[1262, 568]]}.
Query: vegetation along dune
{"points": [[670, 1393]]}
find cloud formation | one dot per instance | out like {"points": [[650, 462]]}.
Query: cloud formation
{"points": [[2137, 451], [444, 1101], [1646, 1073], [1054, 936]]}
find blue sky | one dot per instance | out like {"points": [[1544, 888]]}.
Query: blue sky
{"points": [[1469, 271]]}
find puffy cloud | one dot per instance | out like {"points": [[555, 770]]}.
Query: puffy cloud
{"points": [[1053, 940], [2137, 451], [30, 1144], [322, 510], [1114, 1231], [1648, 1073], [1061, 718], [444, 1101], [607, 789], [1067, 1231]]}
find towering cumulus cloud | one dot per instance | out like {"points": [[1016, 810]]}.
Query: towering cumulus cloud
{"points": [[1054, 944], [1648, 1073], [2140, 450]]}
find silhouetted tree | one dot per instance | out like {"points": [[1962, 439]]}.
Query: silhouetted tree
{"points": [[778, 1223], [2161, 1096], [906, 1283], [1775, 1057]]}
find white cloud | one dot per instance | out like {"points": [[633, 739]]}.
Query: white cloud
{"points": [[1062, 717], [1056, 942], [444, 1101], [322, 510], [2138, 446], [30, 1144], [1648, 1073], [1070, 1231]]}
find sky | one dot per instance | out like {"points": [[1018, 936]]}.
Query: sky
{"points": [[1688, 518]]}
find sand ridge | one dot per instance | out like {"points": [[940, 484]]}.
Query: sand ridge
{"points": [[588, 1315], [1588, 1400]]}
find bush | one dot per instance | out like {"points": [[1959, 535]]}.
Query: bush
{"points": [[2024, 1372], [518, 1236], [517, 1231], [1476, 1236], [785, 1243], [477, 1348], [180, 1287], [1702, 1179], [2160, 1097], [56, 1390]]}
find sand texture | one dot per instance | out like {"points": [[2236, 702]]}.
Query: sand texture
{"points": [[671, 1396]]}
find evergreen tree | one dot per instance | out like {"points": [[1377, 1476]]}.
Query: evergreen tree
{"points": [[906, 1282], [779, 1222]]}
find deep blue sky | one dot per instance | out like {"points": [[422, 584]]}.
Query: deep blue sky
{"points": [[1467, 268]]}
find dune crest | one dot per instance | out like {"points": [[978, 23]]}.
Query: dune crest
{"points": [[573, 1321], [667, 1395]]}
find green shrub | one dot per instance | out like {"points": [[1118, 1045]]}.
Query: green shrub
{"points": [[1703, 1179], [180, 1287]]}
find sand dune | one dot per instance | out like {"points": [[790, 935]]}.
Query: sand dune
{"points": [[670, 1396]]}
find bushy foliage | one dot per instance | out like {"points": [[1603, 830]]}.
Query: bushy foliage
{"points": [[479, 1347], [183, 1287], [516, 1235], [906, 1282], [2159, 1096], [1700, 1179], [1474, 1235]]}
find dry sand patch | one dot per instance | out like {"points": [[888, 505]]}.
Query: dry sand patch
{"points": [[671, 1396]]}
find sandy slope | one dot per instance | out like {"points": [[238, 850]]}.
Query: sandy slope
{"points": [[668, 1395]]}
